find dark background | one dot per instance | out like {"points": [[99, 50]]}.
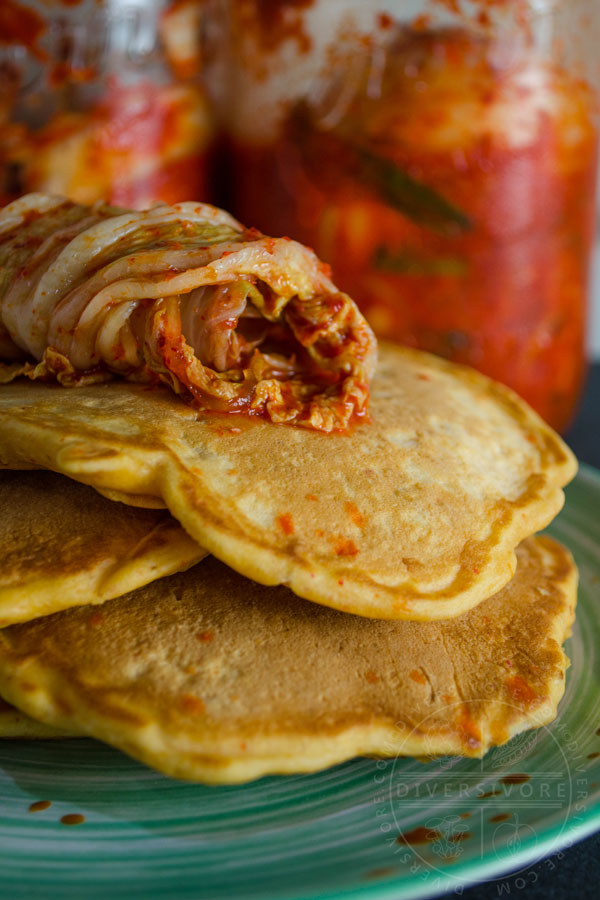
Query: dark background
{"points": [[584, 436], [575, 872]]}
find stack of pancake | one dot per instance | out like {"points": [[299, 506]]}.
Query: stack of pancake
{"points": [[374, 589]]}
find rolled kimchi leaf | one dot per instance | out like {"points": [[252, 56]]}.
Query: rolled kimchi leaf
{"points": [[232, 319]]}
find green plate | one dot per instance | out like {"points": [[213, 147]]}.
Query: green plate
{"points": [[334, 834]]}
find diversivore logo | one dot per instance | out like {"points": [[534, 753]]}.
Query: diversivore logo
{"points": [[442, 818]]}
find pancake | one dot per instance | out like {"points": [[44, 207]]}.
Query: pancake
{"points": [[413, 515], [64, 545], [142, 500], [17, 724], [208, 676]]}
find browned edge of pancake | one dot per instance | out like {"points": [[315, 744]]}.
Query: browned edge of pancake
{"points": [[179, 740], [64, 545]]}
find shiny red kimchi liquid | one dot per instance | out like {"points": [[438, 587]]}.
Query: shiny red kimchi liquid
{"points": [[455, 203]]}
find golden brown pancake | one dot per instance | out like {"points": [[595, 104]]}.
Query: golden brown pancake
{"points": [[64, 545], [17, 724], [144, 501], [211, 677], [414, 515]]}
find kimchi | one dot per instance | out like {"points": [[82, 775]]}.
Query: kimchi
{"points": [[445, 168], [184, 295], [104, 101]]}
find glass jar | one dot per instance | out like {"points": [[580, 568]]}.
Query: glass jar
{"points": [[103, 99], [441, 156]]}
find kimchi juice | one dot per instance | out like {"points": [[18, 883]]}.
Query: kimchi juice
{"points": [[449, 179]]}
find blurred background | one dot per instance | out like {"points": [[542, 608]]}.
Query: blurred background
{"points": [[441, 155]]}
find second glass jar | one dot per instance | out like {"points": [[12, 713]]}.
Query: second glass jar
{"points": [[441, 156]]}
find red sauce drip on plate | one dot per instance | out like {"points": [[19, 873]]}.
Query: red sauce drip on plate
{"points": [[383, 872], [40, 806], [419, 835], [515, 778], [73, 819]]}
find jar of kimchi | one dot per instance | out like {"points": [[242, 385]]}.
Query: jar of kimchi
{"points": [[441, 156], [103, 99]]}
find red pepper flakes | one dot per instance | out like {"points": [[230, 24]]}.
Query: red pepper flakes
{"points": [[312, 497], [96, 619], [204, 636], [191, 704], [286, 523], [417, 675], [371, 676], [344, 547], [355, 514]]}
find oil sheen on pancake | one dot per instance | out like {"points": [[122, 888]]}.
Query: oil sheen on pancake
{"points": [[211, 677], [233, 320], [413, 515], [64, 545]]}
